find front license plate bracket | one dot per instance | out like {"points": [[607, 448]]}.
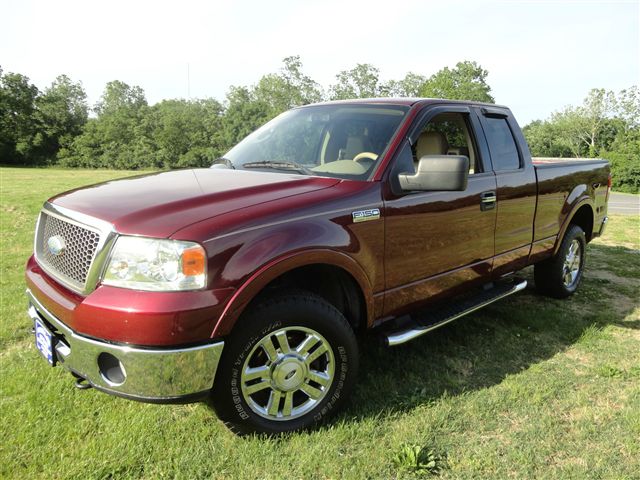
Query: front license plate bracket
{"points": [[44, 342]]}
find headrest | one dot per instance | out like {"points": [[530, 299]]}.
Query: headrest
{"points": [[431, 143]]}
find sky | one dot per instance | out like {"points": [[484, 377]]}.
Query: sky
{"points": [[541, 55]]}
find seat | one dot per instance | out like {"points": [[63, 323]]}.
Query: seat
{"points": [[458, 151], [356, 144], [431, 143]]}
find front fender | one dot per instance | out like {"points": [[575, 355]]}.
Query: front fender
{"points": [[277, 267]]}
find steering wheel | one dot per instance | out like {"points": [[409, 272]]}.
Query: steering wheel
{"points": [[369, 155]]}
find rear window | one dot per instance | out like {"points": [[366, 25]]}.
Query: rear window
{"points": [[504, 153]]}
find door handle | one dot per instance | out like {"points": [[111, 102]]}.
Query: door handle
{"points": [[596, 185], [488, 200]]}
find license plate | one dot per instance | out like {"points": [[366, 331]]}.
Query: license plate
{"points": [[44, 342]]}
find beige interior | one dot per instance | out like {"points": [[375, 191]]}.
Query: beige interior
{"points": [[435, 143], [355, 145], [431, 143]]}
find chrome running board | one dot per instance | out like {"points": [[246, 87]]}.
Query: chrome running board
{"points": [[431, 321]]}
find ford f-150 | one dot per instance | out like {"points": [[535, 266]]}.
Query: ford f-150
{"points": [[248, 282]]}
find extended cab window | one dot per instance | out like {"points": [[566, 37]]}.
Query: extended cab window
{"points": [[504, 153], [447, 134]]}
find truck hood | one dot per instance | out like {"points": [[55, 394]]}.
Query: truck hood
{"points": [[159, 204]]}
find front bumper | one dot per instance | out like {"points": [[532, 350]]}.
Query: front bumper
{"points": [[139, 373]]}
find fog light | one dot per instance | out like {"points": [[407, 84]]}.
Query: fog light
{"points": [[111, 369]]}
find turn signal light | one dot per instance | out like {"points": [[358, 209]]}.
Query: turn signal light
{"points": [[193, 261]]}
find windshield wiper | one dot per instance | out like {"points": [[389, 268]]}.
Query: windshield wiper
{"points": [[279, 166], [224, 161]]}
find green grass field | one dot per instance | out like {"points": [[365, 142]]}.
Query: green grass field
{"points": [[527, 388]]}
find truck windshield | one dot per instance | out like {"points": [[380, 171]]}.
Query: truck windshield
{"points": [[343, 141]]}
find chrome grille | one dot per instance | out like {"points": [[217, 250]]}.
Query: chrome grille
{"points": [[78, 248]]}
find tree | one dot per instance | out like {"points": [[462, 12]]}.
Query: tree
{"points": [[362, 81], [18, 125], [244, 113], [605, 125], [410, 86], [62, 112], [183, 133], [467, 81], [581, 127], [544, 140], [118, 95], [288, 89], [108, 140]]}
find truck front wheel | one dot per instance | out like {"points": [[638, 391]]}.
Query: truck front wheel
{"points": [[289, 363], [560, 275]]}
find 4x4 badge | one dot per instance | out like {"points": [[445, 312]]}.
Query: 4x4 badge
{"points": [[366, 215]]}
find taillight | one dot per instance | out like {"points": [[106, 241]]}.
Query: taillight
{"points": [[609, 182]]}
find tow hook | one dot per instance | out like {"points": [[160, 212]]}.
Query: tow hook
{"points": [[81, 383]]}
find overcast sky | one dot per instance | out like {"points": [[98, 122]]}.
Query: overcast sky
{"points": [[541, 55]]}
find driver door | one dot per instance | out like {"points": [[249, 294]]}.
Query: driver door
{"points": [[438, 242]]}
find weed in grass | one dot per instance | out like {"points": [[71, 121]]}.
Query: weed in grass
{"points": [[417, 459]]}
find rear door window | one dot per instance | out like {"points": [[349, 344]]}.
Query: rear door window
{"points": [[502, 145]]}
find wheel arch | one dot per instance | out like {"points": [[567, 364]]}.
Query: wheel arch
{"points": [[582, 214], [349, 289]]}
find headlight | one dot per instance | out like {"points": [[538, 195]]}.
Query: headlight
{"points": [[156, 264]]}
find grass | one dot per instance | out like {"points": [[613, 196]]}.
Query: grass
{"points": [[528, 388]]}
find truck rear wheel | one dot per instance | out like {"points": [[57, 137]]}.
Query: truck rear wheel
{"points": [[289, 364], [560, 275]]}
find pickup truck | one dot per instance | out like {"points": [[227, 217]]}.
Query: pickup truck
{"points": [[247, 283]]}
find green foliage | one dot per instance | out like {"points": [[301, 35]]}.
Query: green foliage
{"points": [[130, 134], [244, 114], [35, 125], [289, 89], [17, 128], [467, 81], [362, 81], [605, 125], [409, 86], [417, 459]]}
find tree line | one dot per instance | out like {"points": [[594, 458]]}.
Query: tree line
{"points": [[606, 125], [56, 126]]}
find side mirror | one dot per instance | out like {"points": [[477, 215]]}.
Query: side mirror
{"points": [[437, 173]]}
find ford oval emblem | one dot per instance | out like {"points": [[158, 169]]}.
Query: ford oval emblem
{"points": [[56, 245]]}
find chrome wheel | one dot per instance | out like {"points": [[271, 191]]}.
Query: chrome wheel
{"points": [[572, 263], [287, 373]]}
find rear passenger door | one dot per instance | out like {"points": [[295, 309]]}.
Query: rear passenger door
{"points": [[516, 188]]}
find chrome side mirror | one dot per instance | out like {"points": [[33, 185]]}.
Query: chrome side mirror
{"points": [[437, 173]]}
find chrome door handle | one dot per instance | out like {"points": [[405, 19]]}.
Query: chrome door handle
{"points": [[488, 200]]}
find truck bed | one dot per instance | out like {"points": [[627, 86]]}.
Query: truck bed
{"points": [[560, 182]]}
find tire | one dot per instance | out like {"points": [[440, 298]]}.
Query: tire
{"points": [[268, 385], [560, 275]]}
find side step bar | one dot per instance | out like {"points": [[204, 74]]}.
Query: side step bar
{"points": [[436, 319]]}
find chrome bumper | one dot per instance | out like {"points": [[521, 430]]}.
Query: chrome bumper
{"points": [[147, 374]]}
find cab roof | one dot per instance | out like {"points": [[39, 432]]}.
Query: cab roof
{"points": [[405, 101]]}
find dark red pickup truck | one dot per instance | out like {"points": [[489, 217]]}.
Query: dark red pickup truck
{"points": [[249, 281]]}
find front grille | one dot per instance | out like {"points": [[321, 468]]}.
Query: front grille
{"points": [[66, 249]]}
